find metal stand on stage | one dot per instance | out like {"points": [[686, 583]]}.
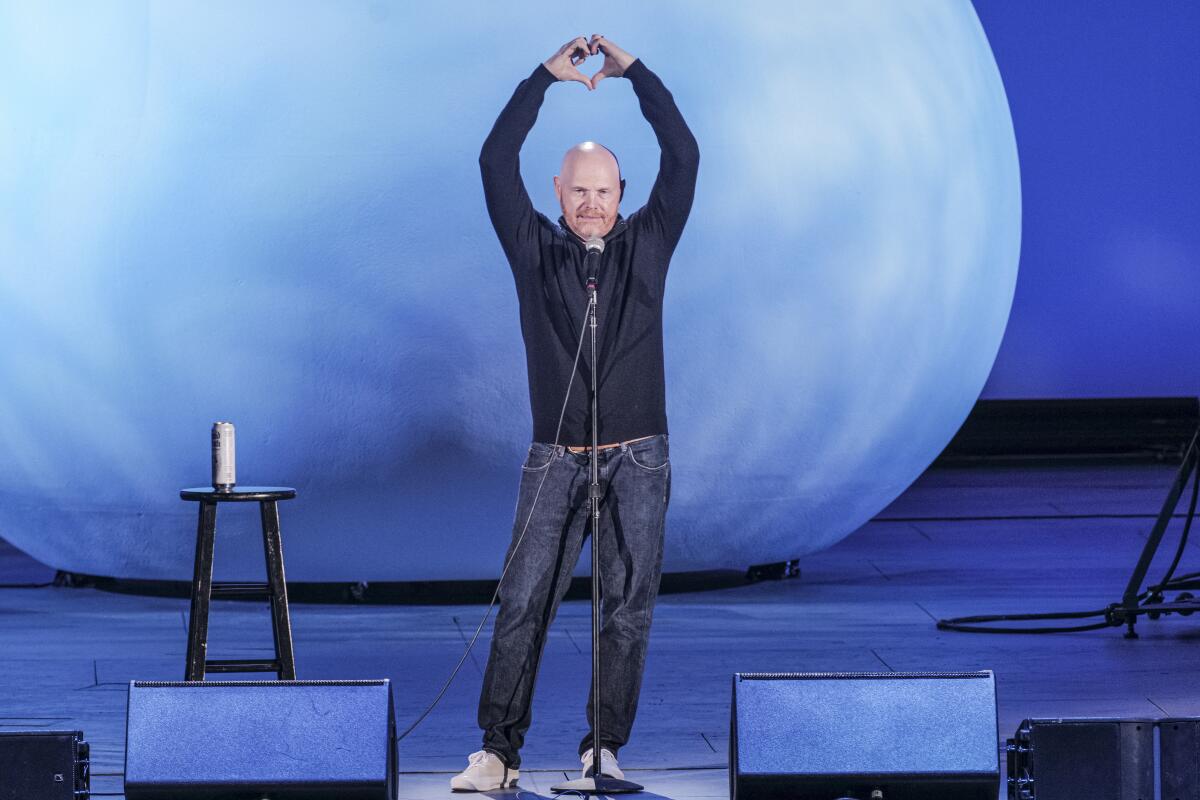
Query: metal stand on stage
{"points": [[1136, 601], [596, 783], [1153, 602]]}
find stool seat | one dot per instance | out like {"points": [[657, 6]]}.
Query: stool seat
{"points": [[204, 589], [239, 494]]}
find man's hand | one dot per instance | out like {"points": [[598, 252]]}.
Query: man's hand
{"points": [[562, 64], [616, 60]]}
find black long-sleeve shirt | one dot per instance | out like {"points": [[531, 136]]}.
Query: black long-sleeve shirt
{"points": [[547, 262]]}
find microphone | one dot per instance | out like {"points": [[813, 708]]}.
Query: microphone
{"points": [[595, 246]]}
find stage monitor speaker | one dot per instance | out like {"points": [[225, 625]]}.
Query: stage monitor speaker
{"points": [[1082, 759], [46, 765], [1179, 758], [283, 740], [819, 736]]}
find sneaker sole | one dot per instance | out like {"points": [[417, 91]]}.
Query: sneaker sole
{"points": [[509, 783]]}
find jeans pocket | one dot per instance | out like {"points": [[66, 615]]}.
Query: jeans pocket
{"points": [[539, 458], [651, 455]]}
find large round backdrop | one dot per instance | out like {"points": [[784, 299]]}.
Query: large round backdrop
{"points": [[271, 214]]}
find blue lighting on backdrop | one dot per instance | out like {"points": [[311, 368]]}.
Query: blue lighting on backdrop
{"points": [[270, 213], [1105, 101]]}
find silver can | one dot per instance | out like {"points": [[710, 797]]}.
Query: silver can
{"points": [[224, 456]]}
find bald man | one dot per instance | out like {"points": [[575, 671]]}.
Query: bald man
{"points": [[547, 261]]}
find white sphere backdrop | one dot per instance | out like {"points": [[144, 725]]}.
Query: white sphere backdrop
{"points": [[271, 214]]}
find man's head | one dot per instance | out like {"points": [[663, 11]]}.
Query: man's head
{"points": [[589, 189]]}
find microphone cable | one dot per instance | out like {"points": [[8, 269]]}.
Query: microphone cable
{"points": [[533, 506]]}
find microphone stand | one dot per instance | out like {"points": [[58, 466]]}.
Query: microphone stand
{"points": [[597, 783]]}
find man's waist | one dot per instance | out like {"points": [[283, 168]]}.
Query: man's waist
{"points": [[583, 448], [624, 420]]}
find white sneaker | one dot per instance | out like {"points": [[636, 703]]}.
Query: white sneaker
{"points": [[485, 771], [608, 764]]}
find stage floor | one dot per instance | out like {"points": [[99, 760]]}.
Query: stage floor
{"points": [[960, 541]]}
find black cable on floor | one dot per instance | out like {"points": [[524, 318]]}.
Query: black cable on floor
{"points": [[1114, 615]]}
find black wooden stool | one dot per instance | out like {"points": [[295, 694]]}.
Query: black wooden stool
{"points": [[203, 588]]}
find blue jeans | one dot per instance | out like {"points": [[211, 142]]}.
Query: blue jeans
{"points": [[636, 479]]}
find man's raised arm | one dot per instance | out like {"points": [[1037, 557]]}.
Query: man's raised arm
{"points": [[671, 197], [508, 203]]}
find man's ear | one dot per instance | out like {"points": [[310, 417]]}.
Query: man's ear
{"points": [[622, 196], [557, 189]]}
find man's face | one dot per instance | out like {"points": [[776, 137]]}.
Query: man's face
{"points": [[589, 190]]}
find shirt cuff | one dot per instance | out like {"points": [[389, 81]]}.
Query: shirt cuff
{"points": [[541, 75], [635, 70]]}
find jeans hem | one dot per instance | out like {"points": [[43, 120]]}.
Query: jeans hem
{"points": [[514, 763]]}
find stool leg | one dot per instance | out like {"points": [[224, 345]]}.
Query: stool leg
{"points": [[197, 648], [281, 622]]}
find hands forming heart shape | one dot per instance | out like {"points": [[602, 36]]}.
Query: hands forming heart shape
{"points": [[564, 64]]}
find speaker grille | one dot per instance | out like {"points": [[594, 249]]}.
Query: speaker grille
{"points": [[825, 734]]}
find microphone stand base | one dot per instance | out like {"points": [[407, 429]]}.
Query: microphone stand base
{"points": [[597, 785]]}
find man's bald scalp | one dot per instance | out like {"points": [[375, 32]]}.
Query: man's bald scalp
{"points": [[588, 150]]}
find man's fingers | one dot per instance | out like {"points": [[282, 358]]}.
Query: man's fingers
{"points": [[571, 48], [579, 51], [599, 76], [570, 56], [576, 75]]}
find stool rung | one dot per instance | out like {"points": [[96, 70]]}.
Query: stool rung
{"points": [[241, 665], [241, 591]]}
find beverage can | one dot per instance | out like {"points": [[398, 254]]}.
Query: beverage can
{"points": [[224, 456]]}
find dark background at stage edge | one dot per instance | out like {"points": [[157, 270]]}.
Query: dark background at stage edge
{"points": [[1105, 100]]}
